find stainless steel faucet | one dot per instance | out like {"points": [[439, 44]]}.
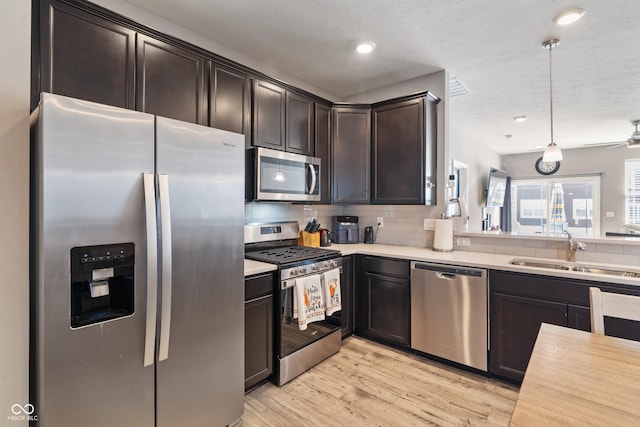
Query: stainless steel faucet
{"points": [[573, 246]]}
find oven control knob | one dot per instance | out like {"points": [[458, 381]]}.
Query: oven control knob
{"points": [[295, 272], [334, 263], [315, 267], [327, 264], [302, 270]]}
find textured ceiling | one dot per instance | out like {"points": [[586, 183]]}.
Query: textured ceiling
{"points": [[493, 46]]}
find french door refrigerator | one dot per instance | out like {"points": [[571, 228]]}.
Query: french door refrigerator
{"points": [[137, 269]]}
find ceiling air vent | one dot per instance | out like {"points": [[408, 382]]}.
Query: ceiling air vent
{"points": [[457, 88]]}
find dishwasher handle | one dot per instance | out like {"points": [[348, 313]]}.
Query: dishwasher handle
{"points": [[449, 271]]}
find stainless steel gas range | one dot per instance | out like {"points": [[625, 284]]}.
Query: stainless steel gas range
{"points": [[296, 350]]}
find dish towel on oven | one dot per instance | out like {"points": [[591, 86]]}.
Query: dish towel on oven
{"points": [[331, 285], [308, 304]]}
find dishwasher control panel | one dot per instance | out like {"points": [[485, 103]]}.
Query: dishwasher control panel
{"points": [[464, 271]]}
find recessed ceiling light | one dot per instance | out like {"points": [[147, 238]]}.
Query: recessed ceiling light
{"points": [[365, 47], [568, 16], [520, 118]]}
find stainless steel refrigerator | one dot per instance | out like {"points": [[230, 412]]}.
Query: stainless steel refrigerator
{"points": [[137, 269]]}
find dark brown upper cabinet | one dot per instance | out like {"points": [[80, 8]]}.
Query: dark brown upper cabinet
{"points": [[84, 56], [170, 81], [269, 105], [300, 126], [404, 151], [323, 149], [282, 120], [350, 160], [229, 100]]}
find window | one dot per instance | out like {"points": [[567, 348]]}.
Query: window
{"points": [[632, 191], [556, 205]]}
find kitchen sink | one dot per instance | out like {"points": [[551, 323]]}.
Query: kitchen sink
{"points": [[610, 271], [582, 268], [540, 264]]}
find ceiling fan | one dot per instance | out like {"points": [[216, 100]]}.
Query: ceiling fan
{"points": [[632, 142]]}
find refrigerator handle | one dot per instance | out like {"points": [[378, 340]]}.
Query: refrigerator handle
{"points": [[165, 225], [152, 268]]}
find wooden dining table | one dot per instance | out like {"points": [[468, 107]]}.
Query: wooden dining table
{"points": [[576, 378]]}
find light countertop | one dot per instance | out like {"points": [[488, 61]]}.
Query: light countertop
{"points": [[462, 258], [252, 267]]}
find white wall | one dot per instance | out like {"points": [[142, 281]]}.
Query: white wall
{"points": [[606, 161], [15, 24], [466, 148]]}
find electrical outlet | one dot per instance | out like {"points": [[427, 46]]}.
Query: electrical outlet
{"points": [[429, 224], [380, 222], [611, 214], [463, 241]]}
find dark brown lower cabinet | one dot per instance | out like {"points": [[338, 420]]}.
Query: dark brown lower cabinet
{"points": [[383, 300], [258, 325], [520, 303], [514, 327]]}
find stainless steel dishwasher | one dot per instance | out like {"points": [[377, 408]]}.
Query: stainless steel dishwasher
{"points": [[449, 312]]}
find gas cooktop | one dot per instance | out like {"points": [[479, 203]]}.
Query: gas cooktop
{"points": [[291, 254]]}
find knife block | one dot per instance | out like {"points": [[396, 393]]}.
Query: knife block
{"points": [[309, 239]]}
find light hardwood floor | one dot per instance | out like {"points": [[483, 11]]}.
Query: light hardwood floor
{"points": [[368, 384]]}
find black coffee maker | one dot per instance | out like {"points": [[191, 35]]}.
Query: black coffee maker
{"points": [[369, 236]]}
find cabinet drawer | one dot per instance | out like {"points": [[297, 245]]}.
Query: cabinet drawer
{"points": [[258, 286], [387, 266]]}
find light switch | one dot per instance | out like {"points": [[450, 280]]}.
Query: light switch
{"points": [[611, 214]]}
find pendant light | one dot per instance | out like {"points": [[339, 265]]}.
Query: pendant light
{"points": [[552, 153]]}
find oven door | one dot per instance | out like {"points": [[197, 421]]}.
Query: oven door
{"points": [[286, 176], [290, 337]]}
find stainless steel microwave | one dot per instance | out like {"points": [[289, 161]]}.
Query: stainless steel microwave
{"points": [[282, 176]]}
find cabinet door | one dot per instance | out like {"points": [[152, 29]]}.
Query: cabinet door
{"points": [[515, 322], [351, 155], [398, 157], [229, 100], [347, 317], [382, 311], [580, 318], [269, 102], [170, 81], [299, 132], [323, 149], [86, 57], [258, 340]]}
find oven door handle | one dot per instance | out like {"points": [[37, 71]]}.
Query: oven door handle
{"points": [[290, 283], [286, 284]]}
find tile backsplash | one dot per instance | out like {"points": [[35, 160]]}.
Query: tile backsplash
{"points": [[403, 225]]}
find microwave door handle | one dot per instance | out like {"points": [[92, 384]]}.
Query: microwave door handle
{"points": [[152, 268], [313, 178]]}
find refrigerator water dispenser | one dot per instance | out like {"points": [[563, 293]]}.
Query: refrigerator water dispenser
{"points": [[101, 283]]}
